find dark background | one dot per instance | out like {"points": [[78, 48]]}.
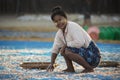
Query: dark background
{"points": [[71, 6]]}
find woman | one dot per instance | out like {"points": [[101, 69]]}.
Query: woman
{"points": [[73, 43]]}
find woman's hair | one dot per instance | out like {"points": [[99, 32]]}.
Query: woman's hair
{"points": [[58, 11]]}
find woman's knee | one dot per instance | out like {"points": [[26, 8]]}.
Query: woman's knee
{"points": [[67, 52]]}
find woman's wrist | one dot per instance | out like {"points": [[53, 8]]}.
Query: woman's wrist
{"points": [[54, 55], [52, 63]]}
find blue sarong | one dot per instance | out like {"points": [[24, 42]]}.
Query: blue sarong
{"points": [[91, 54]]}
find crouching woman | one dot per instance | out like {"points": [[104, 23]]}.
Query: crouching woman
{"points": [[74, 44]]}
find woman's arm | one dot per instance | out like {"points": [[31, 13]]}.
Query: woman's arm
{"points": [[62, 50], [55, 50], [51, 66], [53, 58]]}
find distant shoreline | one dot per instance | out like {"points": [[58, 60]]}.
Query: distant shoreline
{"points": [[43, 23], [39, 29], [50, 39], [30, 29]]}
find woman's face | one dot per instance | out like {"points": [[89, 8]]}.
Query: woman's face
{"points": [[60, 21]]}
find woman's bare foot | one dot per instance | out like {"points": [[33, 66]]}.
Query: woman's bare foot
{"points": [[69, 70], [87, 70]]}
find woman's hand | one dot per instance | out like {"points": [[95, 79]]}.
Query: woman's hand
{"points": [[62, 50], [50, 68]]}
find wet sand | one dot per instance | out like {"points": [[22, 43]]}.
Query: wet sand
{"points": [[14, 71]]}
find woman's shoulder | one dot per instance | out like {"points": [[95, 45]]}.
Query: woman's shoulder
{"points": [[59, 32], [73, 25]]}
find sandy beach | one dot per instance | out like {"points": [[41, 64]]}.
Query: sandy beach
{"points": [[15, 72], [14, 53]]}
